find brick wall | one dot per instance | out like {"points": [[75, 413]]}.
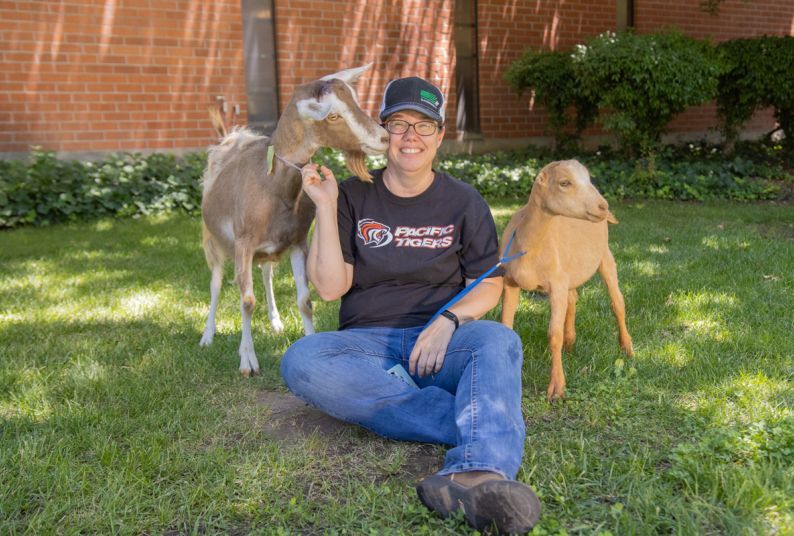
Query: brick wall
{"points": [[401, 38], [505, 30], [103, 75], [736, 18]]}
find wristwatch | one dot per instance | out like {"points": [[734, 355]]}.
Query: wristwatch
{"points": [[452, 316]]}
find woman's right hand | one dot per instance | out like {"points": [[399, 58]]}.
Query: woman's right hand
{"points": [[322, 189]]}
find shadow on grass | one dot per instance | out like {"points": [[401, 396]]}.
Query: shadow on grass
{"points": [[97, 416]]}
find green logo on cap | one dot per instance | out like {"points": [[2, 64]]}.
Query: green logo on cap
{"points": [[428, 97]]}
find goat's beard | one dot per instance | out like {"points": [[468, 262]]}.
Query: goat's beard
{"points": [[357, 166]]}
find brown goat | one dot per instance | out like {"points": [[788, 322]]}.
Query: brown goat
{"points": [[251, 207], [563, 229]]}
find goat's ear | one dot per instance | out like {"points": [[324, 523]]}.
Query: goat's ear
{"points": [[313, 109], [545, 175], [349, 76]]}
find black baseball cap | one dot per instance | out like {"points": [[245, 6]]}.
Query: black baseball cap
{"points": [[412, 93]]}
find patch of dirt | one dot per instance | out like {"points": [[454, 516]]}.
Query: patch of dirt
{"points": [[780, 230], [424, 460], [292, 422]]}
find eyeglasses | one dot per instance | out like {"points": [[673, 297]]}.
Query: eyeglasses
{"points": [[423, 128]]}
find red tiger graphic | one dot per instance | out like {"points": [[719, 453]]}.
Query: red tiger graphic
{"points": [[373, 233]]}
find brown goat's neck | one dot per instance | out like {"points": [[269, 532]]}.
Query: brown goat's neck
{"points": [[290, 140]]}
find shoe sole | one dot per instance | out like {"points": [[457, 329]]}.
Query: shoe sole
{"points": [[502, 503], [441, 495]]}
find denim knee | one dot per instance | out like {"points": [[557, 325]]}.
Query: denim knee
{"points": [[498, 339], [296, 364]]}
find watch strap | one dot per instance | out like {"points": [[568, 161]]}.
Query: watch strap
{"points": [[452, 316]]}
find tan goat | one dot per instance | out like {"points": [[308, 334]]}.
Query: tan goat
{"points": [[252, 207], [563, 229]]}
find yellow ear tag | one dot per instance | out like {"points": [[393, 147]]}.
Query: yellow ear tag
{"points": [[270, 154]]}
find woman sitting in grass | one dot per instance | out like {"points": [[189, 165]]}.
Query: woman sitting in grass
{"points": [[395, 251]]}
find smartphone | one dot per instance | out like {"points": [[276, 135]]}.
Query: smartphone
{"points": [[400, 372]]}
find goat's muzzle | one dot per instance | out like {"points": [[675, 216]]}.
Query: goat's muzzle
{"points": [[600, 212], [381, 147]]}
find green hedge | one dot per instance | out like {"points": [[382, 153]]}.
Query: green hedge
{"points": [[45, 190], [635, 83], [641, 82], [638, 83], [758, 73], [685, 174], [550, 75]]}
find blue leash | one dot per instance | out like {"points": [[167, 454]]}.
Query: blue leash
{"points": [[459, 296]]}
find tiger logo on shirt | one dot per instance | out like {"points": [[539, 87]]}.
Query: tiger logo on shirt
{"points": [[376, 235], [373, 233]]}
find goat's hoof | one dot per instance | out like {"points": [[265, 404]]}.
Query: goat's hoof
{"points": [[553, 399], [277, 326], [206, 340], [555, 393], [245, 373]]}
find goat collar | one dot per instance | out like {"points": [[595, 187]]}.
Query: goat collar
{"points": [[271, 152], [290, 164]]}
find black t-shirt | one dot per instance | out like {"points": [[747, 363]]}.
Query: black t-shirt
{"points": [[411, 255]]}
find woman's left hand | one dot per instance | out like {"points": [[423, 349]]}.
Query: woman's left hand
{"points": [[428, 354]]}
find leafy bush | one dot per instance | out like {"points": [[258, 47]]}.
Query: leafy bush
{"points": [[550, 75], [668, 175], [46, 190], [641, 81], [759, 73]]}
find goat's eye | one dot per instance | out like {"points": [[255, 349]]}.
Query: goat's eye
{"points": [[333, 116], [565, 184]]}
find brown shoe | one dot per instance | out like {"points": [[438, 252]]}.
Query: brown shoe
{"points": [[510, 506]]}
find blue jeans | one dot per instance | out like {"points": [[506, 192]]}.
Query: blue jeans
{"points": [[473, 403]]}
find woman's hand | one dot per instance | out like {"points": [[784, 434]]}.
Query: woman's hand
{"points": [[323, 190], [428, 354]]}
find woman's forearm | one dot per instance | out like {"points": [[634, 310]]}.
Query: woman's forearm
{"points": [[326, 266], [479, 300]]}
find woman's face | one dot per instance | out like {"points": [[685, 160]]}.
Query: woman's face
{"points": [[409, 152]]}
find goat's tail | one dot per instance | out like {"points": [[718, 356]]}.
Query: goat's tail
{"points": [[357, 166], [218, 125], [611, 217]]}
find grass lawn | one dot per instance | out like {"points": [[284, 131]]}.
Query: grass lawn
{"points": [[115, 421]]}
